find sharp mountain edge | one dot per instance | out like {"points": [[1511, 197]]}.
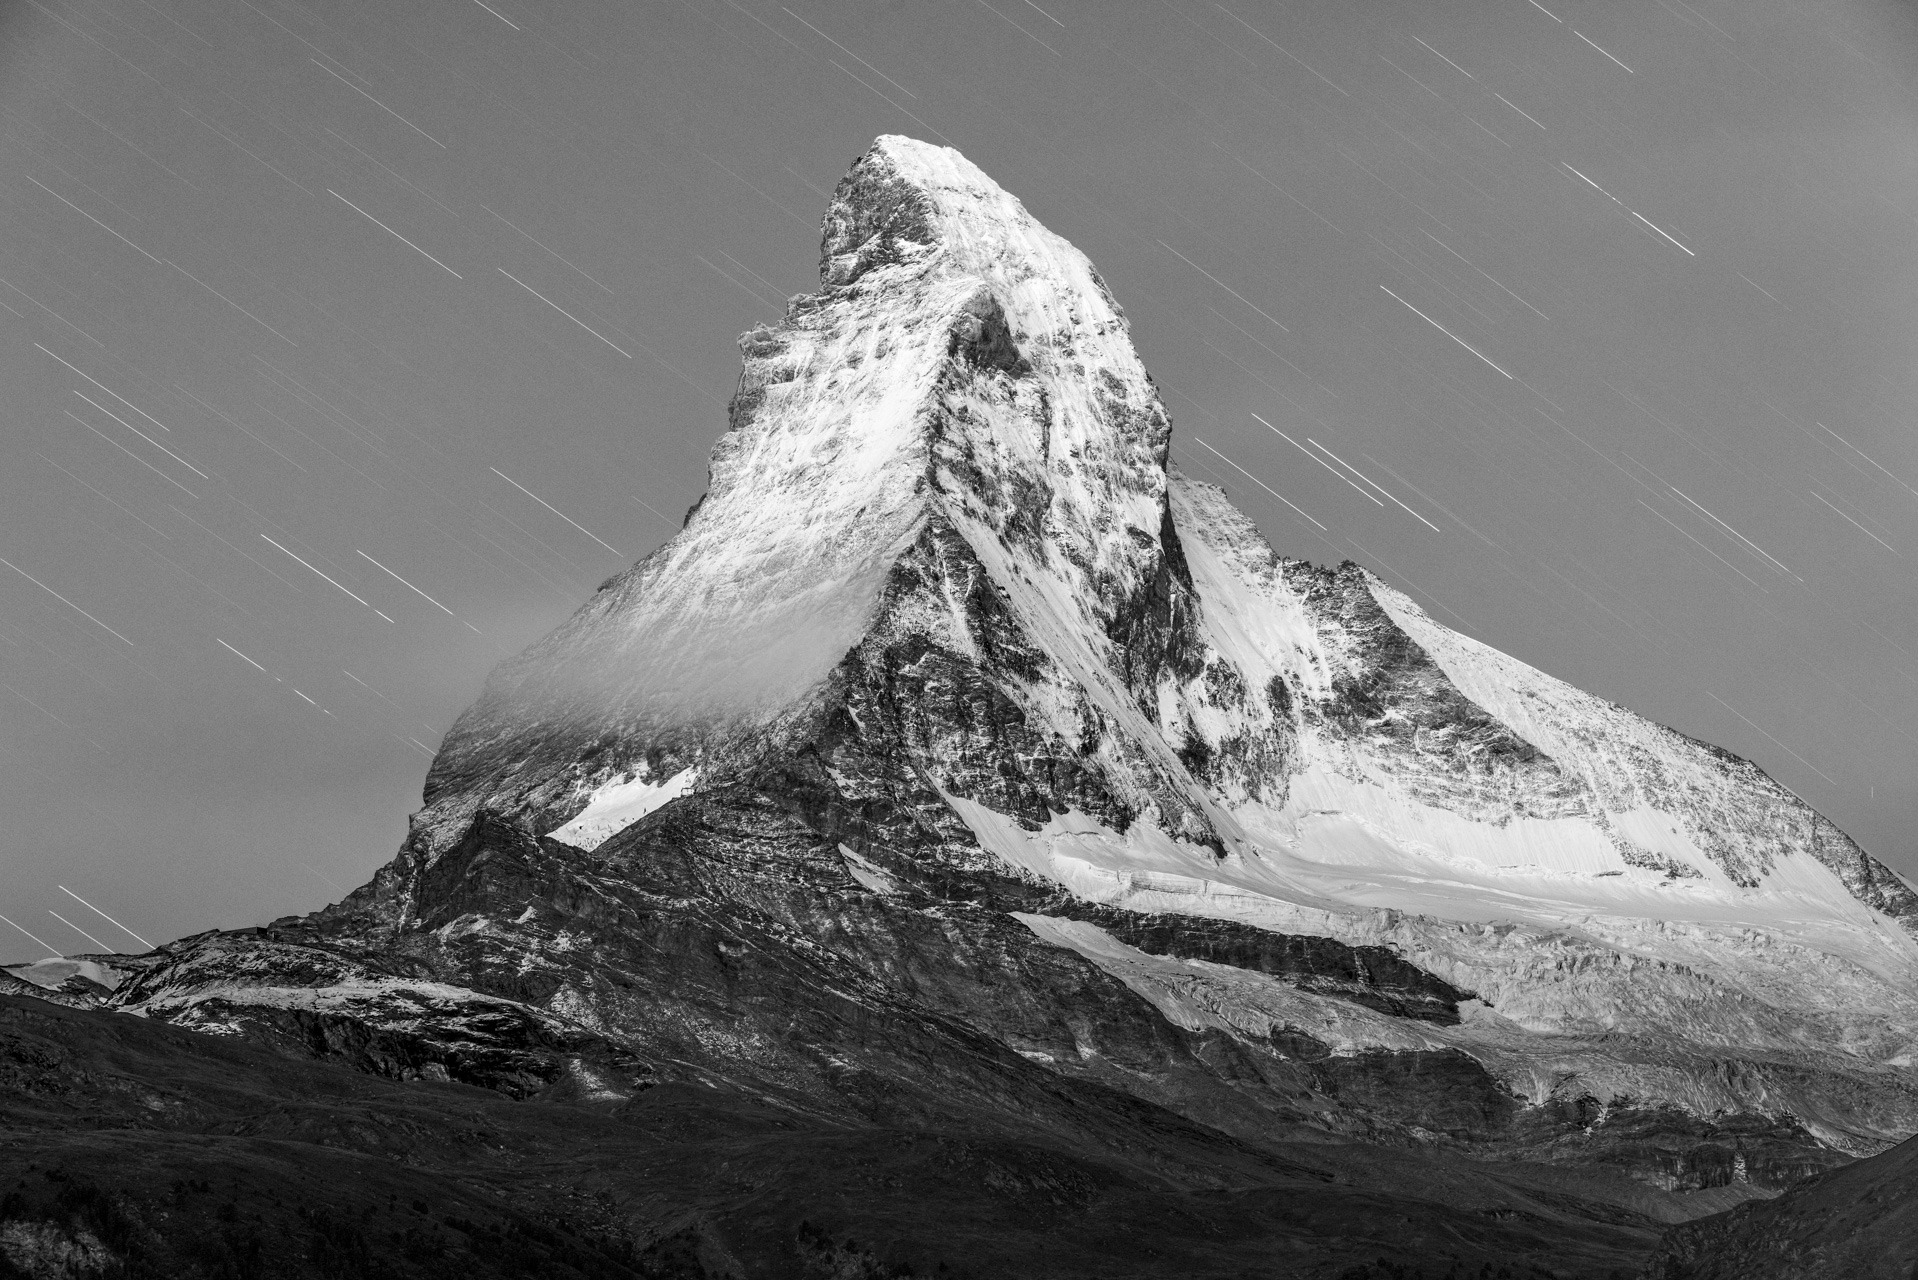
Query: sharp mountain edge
{"points": [[958, 762]]}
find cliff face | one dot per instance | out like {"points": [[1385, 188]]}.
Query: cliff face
{"points": [[956, 758]]}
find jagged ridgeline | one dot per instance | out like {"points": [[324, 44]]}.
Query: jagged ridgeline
{"points": [[958, 766]]}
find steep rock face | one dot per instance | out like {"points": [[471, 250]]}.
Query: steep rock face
{"points": [[955, 759]]}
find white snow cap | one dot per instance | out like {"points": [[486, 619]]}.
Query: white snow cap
{"points": [[829, 468], [1048, 288]]}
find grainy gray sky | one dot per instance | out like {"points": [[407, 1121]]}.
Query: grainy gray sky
{"points": [[311, 309]]}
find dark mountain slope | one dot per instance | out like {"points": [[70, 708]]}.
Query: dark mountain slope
{"points": [[1855, 1223], [139, 1150]]}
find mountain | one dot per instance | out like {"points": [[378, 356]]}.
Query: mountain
{"points": [[961, 771]]}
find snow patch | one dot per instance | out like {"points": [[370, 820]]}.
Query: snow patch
{"points": [[867, 872], [50, 973], [397, 996], [615, 806]]}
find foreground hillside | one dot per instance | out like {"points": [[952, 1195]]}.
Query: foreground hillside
{"points": [[1856, 1223], [139, 1150]]}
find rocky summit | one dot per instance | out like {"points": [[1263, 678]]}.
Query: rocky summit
{"points": [[967, 847]]}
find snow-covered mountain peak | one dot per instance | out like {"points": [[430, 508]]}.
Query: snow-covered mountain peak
{"points": [[913, 203], [961, 369], [1047, 424]]}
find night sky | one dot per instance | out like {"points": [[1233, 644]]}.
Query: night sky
{"points": [[346, 347]]}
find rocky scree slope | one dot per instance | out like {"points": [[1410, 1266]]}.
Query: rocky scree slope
{"points": [[956, 757]]}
